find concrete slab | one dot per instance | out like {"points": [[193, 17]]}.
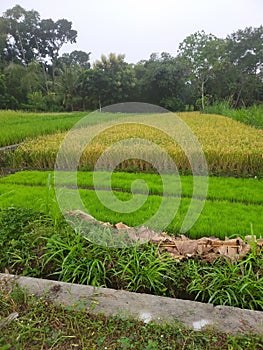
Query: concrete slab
{"points": [[141, 306]]}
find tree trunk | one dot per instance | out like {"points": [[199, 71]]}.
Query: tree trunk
{"points": [[238, 96], [83, 104], [203, 95], [43, 67], [21, 46], [99, 104]]}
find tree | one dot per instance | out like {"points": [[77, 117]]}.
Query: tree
{"points": [[53, 35], [6, 100], [14, 74], [161, 81], [110, 81], [21, 26], [67, 84], [28, 38], [204, 54], [76, 58], [245, 56]]}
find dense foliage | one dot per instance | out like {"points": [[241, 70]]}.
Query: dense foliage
{"points": [[206, 69], [62, 254]]}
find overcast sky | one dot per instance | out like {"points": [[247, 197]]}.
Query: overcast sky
{"points": [[138, 28]]}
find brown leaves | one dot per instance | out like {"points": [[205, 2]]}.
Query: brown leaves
{"points": [[207, 249], [181, 247]]}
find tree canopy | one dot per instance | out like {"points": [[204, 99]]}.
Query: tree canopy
{"points": [[34, 75]]}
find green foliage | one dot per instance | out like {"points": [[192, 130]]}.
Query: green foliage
{"points": [[30, 38], [39, 249], [229, 68], [141, 269], [251, 116], [229, 283], [203, 54], [35, 101], [112, 80], [20, 233]]}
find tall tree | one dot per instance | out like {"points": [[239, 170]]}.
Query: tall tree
{"points": [[67, 84], [203, 53], [110, 81], [21, 26], [245, 56], [161, 80], [29, 38], [76, 58]]}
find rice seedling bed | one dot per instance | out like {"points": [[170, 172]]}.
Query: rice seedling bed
{"points": [[244, 190], [226, 213]]}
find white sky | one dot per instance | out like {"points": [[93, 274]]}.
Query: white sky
{"points": [[138, 28]]}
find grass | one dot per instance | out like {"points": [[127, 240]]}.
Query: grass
{"points": [[42, 325], [233, 205], [251, 116], [57, 252], [230, 148], [17, 126]]}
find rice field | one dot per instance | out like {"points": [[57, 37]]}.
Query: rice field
{"points": [[231, 148], [17, 126], [233, 206]]}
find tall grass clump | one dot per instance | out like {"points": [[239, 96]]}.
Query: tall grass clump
{"points": [[252, 116], [234, 283]]}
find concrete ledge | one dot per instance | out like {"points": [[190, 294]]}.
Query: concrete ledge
{"points": [[141, 306]]}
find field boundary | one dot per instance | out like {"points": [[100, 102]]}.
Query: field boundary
{"points": [[145, 307], [10, 147]]}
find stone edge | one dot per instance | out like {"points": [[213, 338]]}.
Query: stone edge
{"points": [[144, 307]]}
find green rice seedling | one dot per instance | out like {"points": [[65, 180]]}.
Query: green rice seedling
{"points": [[17, 126], [243, 190], [226, 213]]}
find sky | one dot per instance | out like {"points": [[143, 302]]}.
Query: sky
{"points": [[138, 28]]}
